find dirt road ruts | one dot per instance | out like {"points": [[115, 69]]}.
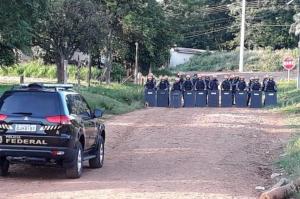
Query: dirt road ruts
{"points": [[169, 153]]}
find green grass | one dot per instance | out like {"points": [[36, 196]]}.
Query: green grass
{"points": [[113, 99], [38, 69], [258, 60], [290, 160], [289, 102]]}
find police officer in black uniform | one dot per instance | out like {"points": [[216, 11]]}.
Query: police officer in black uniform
{"points": [[214, 84], [264, 82], [251, 80], [195, 77], [241, 85], [234, 87], [163, 84], [181, 78], [200, 84], [151, 83], [187, 84], [177, 85], [207, 80], [234, 84], [256, 85], [226, 85], [167, 80], [270, 85]]}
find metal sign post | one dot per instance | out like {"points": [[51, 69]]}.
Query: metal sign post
{"points": [[289, 64], [298, 69]]}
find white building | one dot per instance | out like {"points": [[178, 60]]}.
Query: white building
{"points": [[182, 55]]}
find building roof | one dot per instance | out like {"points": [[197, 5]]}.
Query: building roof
{"points": [[189, 50]]}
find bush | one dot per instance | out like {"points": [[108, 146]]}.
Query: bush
{"points": [[118, 72]]}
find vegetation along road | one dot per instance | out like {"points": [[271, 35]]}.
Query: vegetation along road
{"points": [[169, 153]]}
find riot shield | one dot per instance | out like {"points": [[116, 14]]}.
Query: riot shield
{"points": [[226, 98], [201, 98], [270, 99], [213, 98], [176, 99], [150, 97], [256, 99], [189, 98], [162, 98], [241, 98]]}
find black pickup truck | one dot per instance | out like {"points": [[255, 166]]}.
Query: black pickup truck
{"points": [[49, 124]]}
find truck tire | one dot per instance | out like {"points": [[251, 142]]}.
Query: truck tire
{"points": [[75, 170], [98, 161], [4, 167]]}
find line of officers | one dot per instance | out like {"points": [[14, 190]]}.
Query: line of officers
{"points": [[199, 82], [232, 85]]}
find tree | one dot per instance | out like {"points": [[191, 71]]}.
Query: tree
{"points": [[16, 22], [140, 21], [146, 24], [67, 26], [295, 27], [200, 24], [268, 23]]}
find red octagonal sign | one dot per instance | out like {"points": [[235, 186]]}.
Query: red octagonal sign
{"points": [[289, 63]]}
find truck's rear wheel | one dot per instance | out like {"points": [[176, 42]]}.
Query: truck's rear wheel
{"points": [[98, 161], [4, 167], [75, 170]]}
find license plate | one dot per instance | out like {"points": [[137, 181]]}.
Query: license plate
{"points": [[25, 128], [271, 94]]}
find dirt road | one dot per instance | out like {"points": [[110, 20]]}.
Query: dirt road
{"points": [[167, 153]]}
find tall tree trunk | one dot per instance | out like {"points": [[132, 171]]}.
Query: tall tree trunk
{"points": [[90, 71], [108, 56], [60, 73]]}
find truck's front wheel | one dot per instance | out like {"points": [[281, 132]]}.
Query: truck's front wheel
{"points": [[97, 162]]}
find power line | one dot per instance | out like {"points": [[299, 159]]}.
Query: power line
{"points": [[210, 21], [273, 25], [204, 33]]}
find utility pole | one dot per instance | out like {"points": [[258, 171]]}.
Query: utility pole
{"points": [[136, 62], [288, 3], [242, 43], [298, 67]]}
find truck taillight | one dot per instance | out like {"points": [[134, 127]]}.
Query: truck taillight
{"points": [[59, 119], [2, 117]]}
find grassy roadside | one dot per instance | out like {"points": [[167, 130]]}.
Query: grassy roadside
{"points": [[113, 99], [256, 60], [289, 100]]}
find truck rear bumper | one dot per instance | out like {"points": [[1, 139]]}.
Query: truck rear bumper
{"points": [[37, 154]]}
